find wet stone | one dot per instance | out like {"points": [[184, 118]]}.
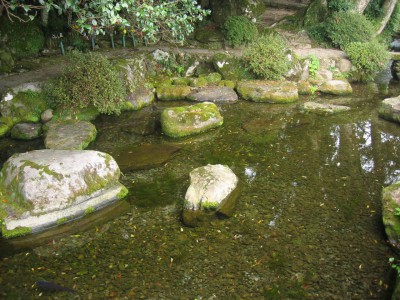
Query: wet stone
{"points": [[144, 156], [268, 91], [321, 108], [214, 94], [69, 135], [26, 131]]}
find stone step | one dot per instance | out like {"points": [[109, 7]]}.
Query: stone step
{"points": [[274, 15]]}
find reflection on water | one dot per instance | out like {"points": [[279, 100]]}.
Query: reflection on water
{"points": [[307, 225]]}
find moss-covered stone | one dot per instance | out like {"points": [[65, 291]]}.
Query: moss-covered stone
{"points": [[22, 39], [172, 92], [336, 87], [231, 67], [6, 62], [208, 34], [24, 106], [188, 120], [123, 193], [391, 202], [268, 91], [198, 82], [4, 129], [304, 87], [26, 131], [316, 13], [390, 109], [227, 83], [19, 231], [181, 81], [221, 10], [211, 77]]}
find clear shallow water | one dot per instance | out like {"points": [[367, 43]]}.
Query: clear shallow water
{"points": [[308, 223]]}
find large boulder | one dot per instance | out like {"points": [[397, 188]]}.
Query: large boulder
{"points": [[188, 120], [69, 135], [213, 94], [142, 97], [323, 108], [390, 109], [268, 91], [44, 188], [213, 188], [391, 213], [336, 87]]}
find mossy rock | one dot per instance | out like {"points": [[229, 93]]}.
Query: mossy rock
{"points": [[208, 34], [390, 204], [22, 39], [188, 120], [4, 129], [172, 92], [26, 131], [268, 91], [227, 83], [211, 77], [25, 106], [198, 82], [336, 87], [390, 109], [181, 81], [304, 87], [231, 67], [6, 62], [222, 9]]}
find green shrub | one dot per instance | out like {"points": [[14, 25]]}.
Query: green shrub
{"points": [[343, 28], [267, 57], [239, 30], [89, 80], [368, 58], [340, 5]]}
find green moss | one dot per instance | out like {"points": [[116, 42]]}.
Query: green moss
{"points": [[88, 211], [122, 193], [24, 107], [41, 169], [209, 205], [228, 83], [4, 129], [181, 81], [211, 77], [173, 92], [19, 231], [62, 221], [198, 82]]}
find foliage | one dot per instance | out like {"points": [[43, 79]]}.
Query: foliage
{"points": [[148, 19], [22, 40], [319, 34], [267, 57], [340, 5], [239, 30], [89, 80], [368, 58], [313, 65], [343, 28], [397, 211], [394, 263]]}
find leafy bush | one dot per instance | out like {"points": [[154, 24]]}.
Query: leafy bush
{"points": [[340, 5], [239, 30], [343, 28], [368, 58], [267, 57], [89, 80]]}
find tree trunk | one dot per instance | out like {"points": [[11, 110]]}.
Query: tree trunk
{"points": [[360, 5], [388, 8], [44, 15]]}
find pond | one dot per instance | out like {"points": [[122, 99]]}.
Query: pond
{"points": [[307, 225]]}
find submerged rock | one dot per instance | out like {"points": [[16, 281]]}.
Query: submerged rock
{"points": [[322, 108], [144, 156], [188, 120], [390, 207], [390, 109], [336, 87], [213, 189], [69, 135], [26, 131], [214, 94], [268, 91], [44, 188]]}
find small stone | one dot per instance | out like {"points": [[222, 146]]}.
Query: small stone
{"points": [[47, 115], [26, 131]]}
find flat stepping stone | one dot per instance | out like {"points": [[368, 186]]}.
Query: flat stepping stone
{"points": [[69, 135], [321, 108], [144, 157], [336, 87], [188, 120], [390, 109], [214, 94], [268, 91]]}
